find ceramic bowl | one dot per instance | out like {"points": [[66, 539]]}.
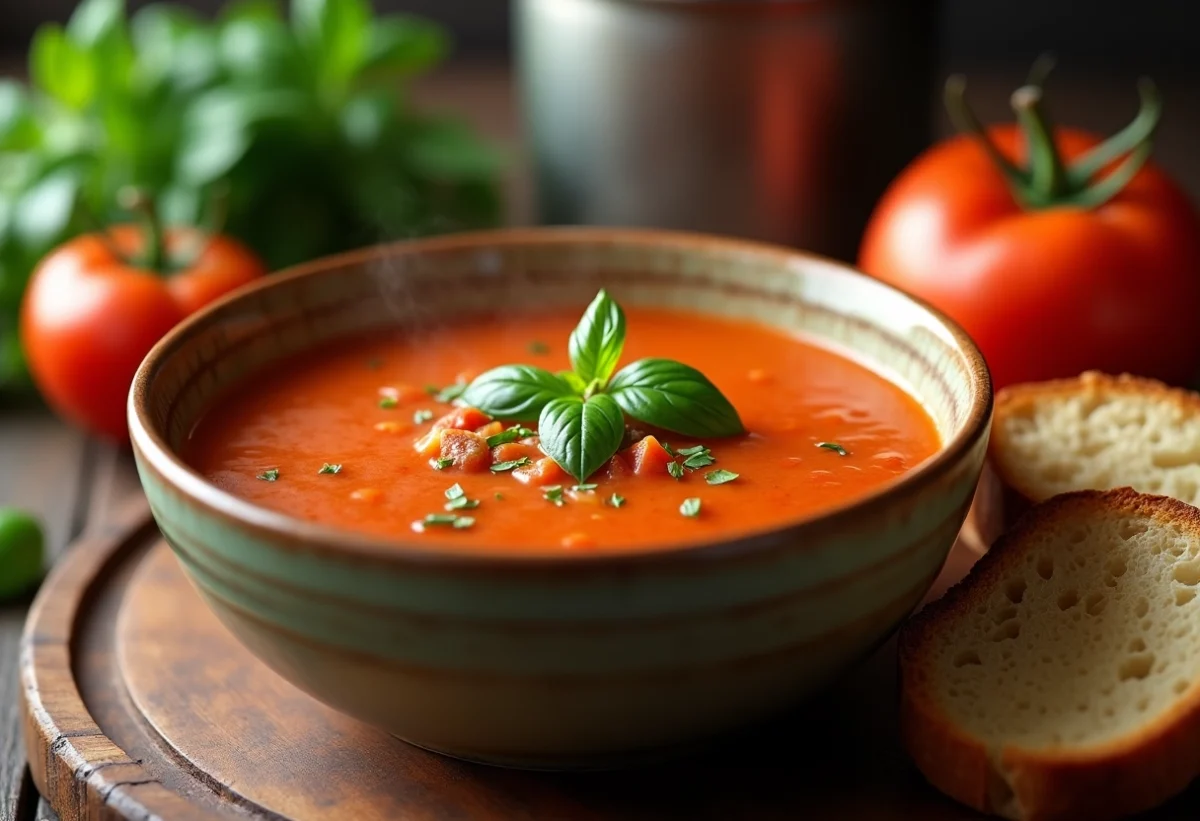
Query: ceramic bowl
{"points": [[575, 660]]}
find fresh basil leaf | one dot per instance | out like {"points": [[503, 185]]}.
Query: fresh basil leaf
{"points": [[404, 45], [572, 379], [62, 68], [581, 435], [674, 397], [514, 392], [334, 34], [598, 339]]}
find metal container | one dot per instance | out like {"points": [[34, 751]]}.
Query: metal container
{"points": [[778, 120]]}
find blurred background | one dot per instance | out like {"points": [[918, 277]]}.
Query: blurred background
{"points": [[1152, 35]]}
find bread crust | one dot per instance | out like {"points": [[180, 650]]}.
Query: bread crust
{"points": [[1002, 499], [1128, 775]]}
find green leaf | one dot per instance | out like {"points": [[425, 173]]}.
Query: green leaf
{"points": [[171, 44], [719, 476], [94, 21], [220, 127], [18, 128], [334, 34], [22, 548], [400, 45], [835, 447], [61, 68], [251, 10], [674, 397], [690, 507], [574, 380], [515, 392], [598, 339], [260, 51], [506, 436], [581, 435], [447, 150], [45, 210]]}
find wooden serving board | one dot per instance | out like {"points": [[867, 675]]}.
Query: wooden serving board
{"points": [[139, 705]]}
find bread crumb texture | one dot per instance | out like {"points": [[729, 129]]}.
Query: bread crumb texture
{"points": [[1100, 432]]}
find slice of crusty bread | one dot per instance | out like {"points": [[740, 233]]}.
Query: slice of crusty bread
{"points": [[1061, 678], [1091, 432]]}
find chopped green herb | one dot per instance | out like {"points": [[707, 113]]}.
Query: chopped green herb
{"points": [[616, 501], [675, 469], [693, 450], [375, 363], [835, 447], [328, 468], [539, 347], [719, 477], [690, 507], [455, 491], [445, 520], [462, 503], [510, 435], [500, 467], [269, 475], [432, 390], [697, 457], [388, 402], [443, 463], [670, 450], [422, 416], [499, 496], [584, 488], [451, 392], [554, 495]]}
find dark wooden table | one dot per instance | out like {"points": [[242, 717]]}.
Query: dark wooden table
{"points": [[75, 484]]}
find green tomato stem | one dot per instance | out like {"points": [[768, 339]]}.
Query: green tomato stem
{"points": [[1047, 173], [154, 253], [1048, 181]]}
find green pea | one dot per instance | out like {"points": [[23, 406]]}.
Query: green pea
{"points": [[21, 549]]}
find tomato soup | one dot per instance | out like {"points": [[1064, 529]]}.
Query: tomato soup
{"points": [[365, 437]]}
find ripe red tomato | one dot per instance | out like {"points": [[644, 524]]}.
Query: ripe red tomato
{"points": [[90, 315], [1051, 289]]}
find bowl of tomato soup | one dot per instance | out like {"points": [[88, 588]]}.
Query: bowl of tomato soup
{"points": [[562, 498]]}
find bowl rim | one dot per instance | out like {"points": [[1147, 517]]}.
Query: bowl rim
{"points": [[320, 539]]}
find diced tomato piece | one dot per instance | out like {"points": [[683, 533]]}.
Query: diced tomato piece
{"points": [[648, 457], [468, 449], [542, 472], [429, 445], [490, 429], [618, 467], [511, 451], [462, 419]]}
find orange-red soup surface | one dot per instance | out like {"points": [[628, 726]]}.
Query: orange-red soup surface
{"points": [[363, 405]]}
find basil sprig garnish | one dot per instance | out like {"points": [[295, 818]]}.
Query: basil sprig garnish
{"points": [[581, 412]]}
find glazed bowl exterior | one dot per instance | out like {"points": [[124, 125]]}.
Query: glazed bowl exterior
{"points": [[575, 660]]}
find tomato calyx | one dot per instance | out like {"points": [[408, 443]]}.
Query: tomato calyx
{"points": [[1047, 181], [154, 246]]}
